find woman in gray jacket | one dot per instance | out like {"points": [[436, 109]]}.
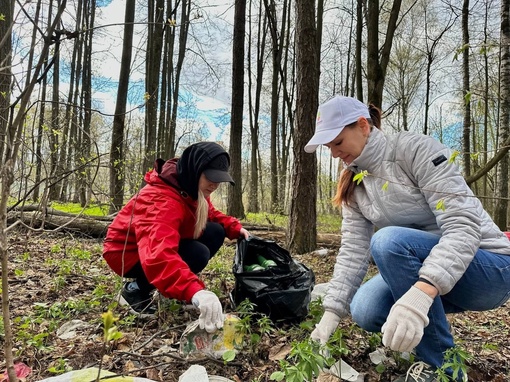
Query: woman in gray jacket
{"points": [[436, 249]]}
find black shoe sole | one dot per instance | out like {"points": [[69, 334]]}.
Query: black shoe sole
{"points": [[122, 301]]}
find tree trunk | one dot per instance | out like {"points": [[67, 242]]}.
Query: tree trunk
{"points": [[38, 119], [359, 42], [287, 124], [6, 176], [235, 201], [487, 92], [7, 9], [10, 143], [54, 192], [183, 41], [67, 149], [117, 147], [85, 146], [153, 65], [270, 9], [501, 213], [377, 63], [254, 107], [302, 235], [466, 131]]}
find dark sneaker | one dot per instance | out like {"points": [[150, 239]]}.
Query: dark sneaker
{"points": [[418, 372], [141, 304]]}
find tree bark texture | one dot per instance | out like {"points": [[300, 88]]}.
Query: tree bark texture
{"points": [[302, 234], [501, 213], [235, 194], [466, 131], [117, 146], [378, 58], [153, 65]]}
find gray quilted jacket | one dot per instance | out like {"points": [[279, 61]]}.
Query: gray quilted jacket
{"points": [[408, 174]]}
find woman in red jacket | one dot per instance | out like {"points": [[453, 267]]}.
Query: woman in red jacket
{"points": [[167, 233]]}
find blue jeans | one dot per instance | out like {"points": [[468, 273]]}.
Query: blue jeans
{"points": [[399, 253]]}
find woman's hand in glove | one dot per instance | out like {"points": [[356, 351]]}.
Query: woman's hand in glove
{"points": [[326, 327], [404, 326], [211, 312]]}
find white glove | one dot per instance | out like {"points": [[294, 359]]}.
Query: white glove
{"points": [[211, 311], [404, 326], [326, 327]]}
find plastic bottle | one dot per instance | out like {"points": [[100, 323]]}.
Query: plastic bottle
{"points": [[266, 263], [253, 268]]}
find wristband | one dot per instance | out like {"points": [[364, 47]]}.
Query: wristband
{"points": [[425, 281]]}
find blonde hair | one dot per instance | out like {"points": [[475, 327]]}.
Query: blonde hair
{"points": [[201, 215]]}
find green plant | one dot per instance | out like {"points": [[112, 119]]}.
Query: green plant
{"points": [[245, 326], [265, 325], [490, 346], [100, 291], [25, 256], [401, 362], [79, 254], [306, 360], [61, 310], [56, 248], [170, 305], [59, 282], [455, 361], [374, 341], [336, 346], [110, 332], [59, 367], [75, 208], [25, 334], [228, 356], [38, 341], [315, 312]]}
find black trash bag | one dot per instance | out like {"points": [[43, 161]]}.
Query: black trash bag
{"points": [[282, 291]]}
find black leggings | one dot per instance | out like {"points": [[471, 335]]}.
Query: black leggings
{"points": [[195, 253]]}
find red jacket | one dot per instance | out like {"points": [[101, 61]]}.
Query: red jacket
{"points": [[154, 221]]}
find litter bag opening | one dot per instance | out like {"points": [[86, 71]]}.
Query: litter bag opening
{"points": [[282, 290]]}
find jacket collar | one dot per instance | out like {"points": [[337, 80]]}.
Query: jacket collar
{"points": [[372, 154]]}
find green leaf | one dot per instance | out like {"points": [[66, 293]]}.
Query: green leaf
{"points": [[380, 368], [454, 156], [110, 330], [113, 334], [440, 205], [108, 320], [358, 178], [229, 356], [385, 186], [467, 97], [277, 376]]}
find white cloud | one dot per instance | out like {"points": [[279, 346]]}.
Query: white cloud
{"points": [[205, 103]]}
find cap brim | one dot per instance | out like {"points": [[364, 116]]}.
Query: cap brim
{"points": [[321, 138], [218, 176]]}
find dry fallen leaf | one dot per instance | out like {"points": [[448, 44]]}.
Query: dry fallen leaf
{"points": [[153, 374], [279, 352]]}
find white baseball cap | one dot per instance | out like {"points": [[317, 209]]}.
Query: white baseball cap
{"points": [[332, 117]]}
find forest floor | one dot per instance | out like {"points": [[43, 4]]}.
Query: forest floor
{"points": [[57, 278]]}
